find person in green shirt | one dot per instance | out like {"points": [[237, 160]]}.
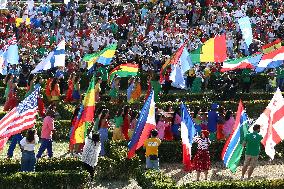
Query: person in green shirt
{"points": [[252, 144], [280, 77], [157, 89], [103, 73], [118, 120], [246, 80]]}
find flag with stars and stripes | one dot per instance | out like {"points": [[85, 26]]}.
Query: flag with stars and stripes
{"points": [[20, 118], [53, 59]]}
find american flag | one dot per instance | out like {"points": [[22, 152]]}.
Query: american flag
{"points": [[19, 118], [11, 41]]}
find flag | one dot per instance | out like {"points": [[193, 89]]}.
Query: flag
{"points": [[145, 124], [85, 115], [233, 148], [20, 118], [248, 62], [271, 46], [53, 59], [103, 57], [123, 70], [245, 27], [180, 56], [107, 54], [176, 76], [91, 59], [273, 59], [213, 50], [271, 123], [12, 55], [185, 60], [188, 131]]}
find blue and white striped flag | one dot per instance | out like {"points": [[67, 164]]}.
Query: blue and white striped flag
{"points": [[54, 58]]}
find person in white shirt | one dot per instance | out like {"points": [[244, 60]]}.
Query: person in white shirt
{"points": [[91, 152], [28, 143]]}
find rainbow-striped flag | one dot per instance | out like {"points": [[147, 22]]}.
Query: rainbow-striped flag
{"points": [[123, 70], [103, 57], [85, 115]]}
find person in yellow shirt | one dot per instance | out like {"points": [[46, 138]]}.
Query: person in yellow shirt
{"points": [[151, 145], [190, 77]]}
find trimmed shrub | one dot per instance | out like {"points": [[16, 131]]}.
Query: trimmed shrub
{"points": [[154, 179], [12, 166], [116, 165], [47, 179]]}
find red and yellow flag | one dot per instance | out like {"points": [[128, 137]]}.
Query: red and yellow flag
{"points": [[85, 115]]}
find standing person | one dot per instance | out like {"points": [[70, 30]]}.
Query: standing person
{"points": [[73, 121], [190, 78], [252, 144], [229, 124], [220, 125], [46, 134], [103, 129], [91, 152], [126, 121], [118, 120], [30, 85], [137, 91], [69, 92], [161, 126], [76, 89], [156, 86], [48, 87], [98, 89], [11, 103], [28, 143], [103, 72], [201, 161], [176, 121], [246, 80], [113, 93], [134, 119], [9, 82], [151, 145], [213, 119], [55, 90]]}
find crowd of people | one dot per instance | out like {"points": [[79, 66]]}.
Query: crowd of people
{"points": [[147, 34]]}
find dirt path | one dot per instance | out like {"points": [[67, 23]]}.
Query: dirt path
{"points": [[264, 170]]}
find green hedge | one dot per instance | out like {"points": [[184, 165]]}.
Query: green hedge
{"points": [[12, 166], [254, 107], [154, 179], [171, 151], [47, 179], [116, 165]]}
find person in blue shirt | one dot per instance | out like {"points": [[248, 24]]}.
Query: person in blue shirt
{"points": [[213, 118]]}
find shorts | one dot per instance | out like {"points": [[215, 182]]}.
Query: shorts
{"points": [[250, 161]]}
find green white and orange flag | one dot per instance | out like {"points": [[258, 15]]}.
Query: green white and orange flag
{"points": [[85, 115], [213, 50]]}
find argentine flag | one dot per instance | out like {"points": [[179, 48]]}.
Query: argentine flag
{"points": [[53, 59]]}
